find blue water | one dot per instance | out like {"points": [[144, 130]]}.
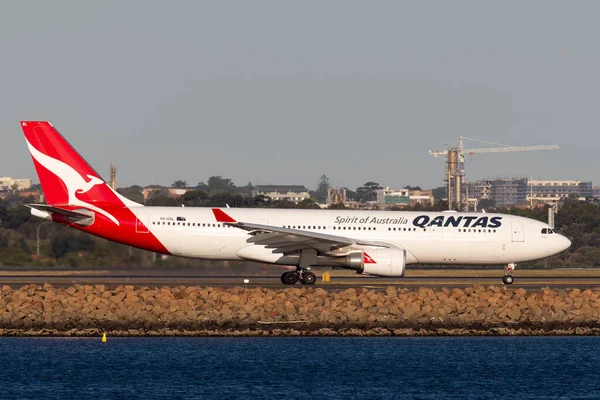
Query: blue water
{"points": [[301, 368]]}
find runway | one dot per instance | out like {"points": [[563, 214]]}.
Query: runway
{"points": [[154, 277]]}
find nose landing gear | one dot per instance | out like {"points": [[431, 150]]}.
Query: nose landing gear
{"points": [[508, 279]]}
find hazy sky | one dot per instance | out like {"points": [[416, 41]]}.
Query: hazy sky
{"points": [[282, 92]]}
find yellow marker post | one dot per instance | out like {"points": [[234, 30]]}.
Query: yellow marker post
{"points": [[104, 337], [326, 277]]}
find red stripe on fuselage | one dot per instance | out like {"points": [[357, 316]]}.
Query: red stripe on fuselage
{"points": [[125, 232]]}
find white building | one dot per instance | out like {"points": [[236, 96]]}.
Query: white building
{"points": [[551, 191], [7, 183], [294, 193], [404, 197]]}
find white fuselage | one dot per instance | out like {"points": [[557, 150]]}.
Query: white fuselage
{"points": [[427, 237]]}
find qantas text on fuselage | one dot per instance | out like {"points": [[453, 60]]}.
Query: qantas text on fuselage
{"points": [[423, 221]]}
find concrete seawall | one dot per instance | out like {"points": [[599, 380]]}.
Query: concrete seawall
{"points": [[204, 311]]}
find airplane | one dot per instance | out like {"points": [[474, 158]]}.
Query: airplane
{"points": [[380, 243]]}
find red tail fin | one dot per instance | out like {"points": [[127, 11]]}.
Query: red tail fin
{"points": [[66, 178]]}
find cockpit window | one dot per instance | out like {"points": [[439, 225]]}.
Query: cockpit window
{"points": [[548, 231], [544, 231]]}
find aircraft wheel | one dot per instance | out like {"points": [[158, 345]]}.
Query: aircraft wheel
{"points": [[289, 278], [508, 279], [308, 278]]}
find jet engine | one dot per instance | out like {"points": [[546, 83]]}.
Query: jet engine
{"points": [[384, 262], [380, 262]]}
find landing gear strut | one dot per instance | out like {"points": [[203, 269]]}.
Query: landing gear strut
{"points": [[308, 257], [508, 279], [307, 277]]}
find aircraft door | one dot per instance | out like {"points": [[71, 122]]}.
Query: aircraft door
{"points": [[517, 232]]}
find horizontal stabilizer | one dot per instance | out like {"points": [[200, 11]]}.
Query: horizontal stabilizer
{"points": [[79, 216]]}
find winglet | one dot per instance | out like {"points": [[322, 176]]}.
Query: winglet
{"points": [[221, 216]]}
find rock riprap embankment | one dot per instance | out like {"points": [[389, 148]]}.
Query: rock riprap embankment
{"points": [[205, 311]]}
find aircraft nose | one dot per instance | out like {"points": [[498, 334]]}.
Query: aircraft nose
{"points": [[564, 243]]}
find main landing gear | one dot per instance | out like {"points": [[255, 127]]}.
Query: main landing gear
{"points": [[508, 279], [302, 274], [308, 257]]}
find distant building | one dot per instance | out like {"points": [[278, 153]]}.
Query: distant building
{"points": [[549, 191], [596, 192], [294, 193], [502, 192], [403, 197], [337, 196], [422, 197], [521, 191], [7, 183], [172, 192], [396, 197], [480, 190], [509, 192]]}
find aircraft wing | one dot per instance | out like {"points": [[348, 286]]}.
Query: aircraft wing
{"points": [[287, 241]]}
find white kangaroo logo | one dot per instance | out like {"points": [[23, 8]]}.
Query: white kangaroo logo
{"points": [[72, 180]]}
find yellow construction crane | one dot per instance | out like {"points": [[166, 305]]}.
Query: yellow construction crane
{"points": [[455, 165]]}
